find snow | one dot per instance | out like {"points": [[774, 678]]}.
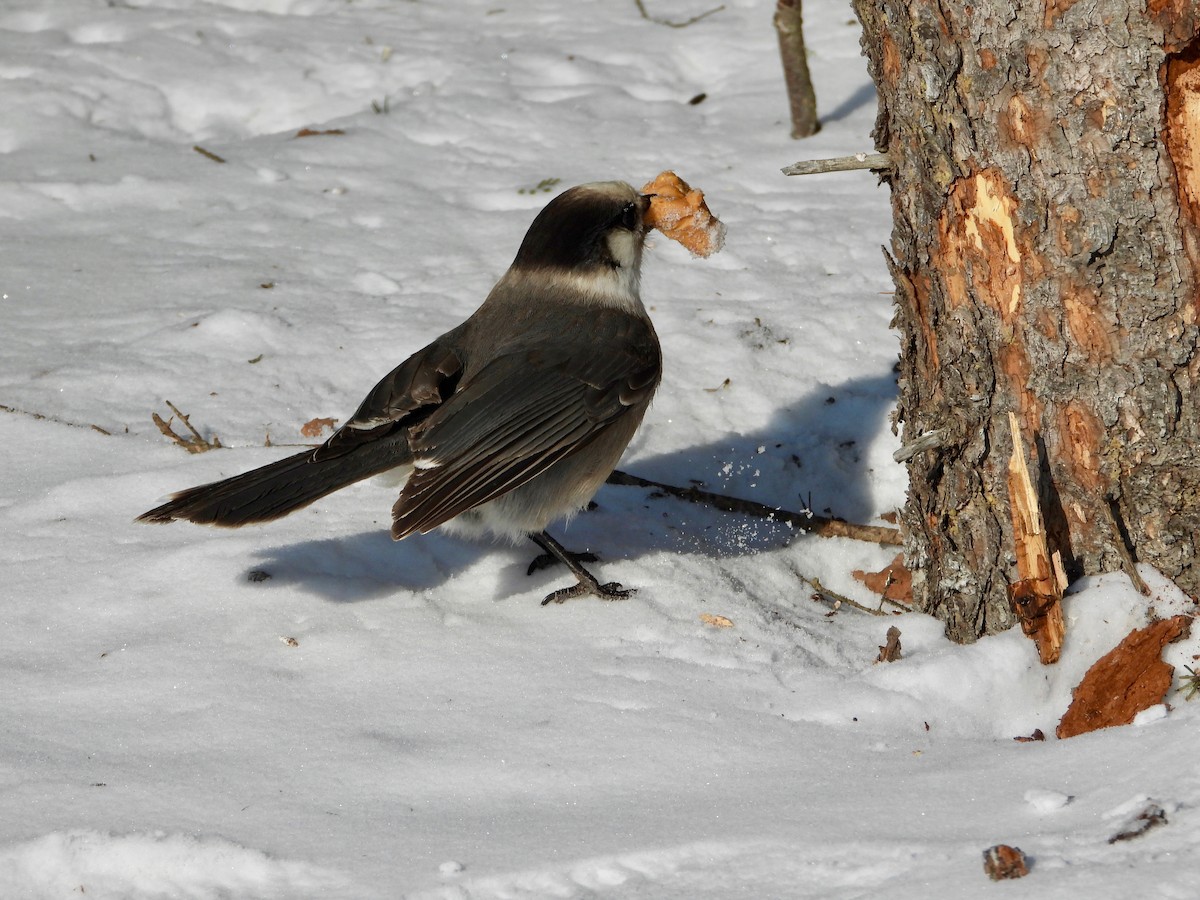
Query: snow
{"points": [[382, 720]]}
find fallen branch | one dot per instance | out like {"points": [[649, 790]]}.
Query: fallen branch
{"points": [[822, 526], [875, 161]]}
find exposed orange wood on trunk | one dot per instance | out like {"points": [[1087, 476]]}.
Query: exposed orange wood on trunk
{"points": [[920, 297], [1181, 133], [1055, 9], [891, 60], [978, 240], [1085, 435], [1040, 249], [1024, 122], [984, 263], [1037, 597], [1087, 327], [1179, 20]]}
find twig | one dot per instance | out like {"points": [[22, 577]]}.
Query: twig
{"points": [[684, 24], [819, 525], [207, 153], [839, 599], [187, 424], [194, 444], [875, 161], [57, 421]]}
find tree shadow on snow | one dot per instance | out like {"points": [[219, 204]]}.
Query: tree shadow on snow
{"points": [[815, 450], [815, 454], [861, 97]]}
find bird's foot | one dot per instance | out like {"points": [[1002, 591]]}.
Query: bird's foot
{"points": [[610, 591], [588, 584], [546, 560]]}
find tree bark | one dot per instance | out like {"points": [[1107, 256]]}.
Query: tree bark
{"points": [[1046, 240]]}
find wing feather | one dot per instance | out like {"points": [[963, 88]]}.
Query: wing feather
{"points": [[521, 414], [402, 398]]}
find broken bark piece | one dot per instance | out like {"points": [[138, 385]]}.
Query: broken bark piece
{"points": [[1037, 735], [1002, 861], [892, 582], [1129, 678], [1037, 596], [890, 652]]}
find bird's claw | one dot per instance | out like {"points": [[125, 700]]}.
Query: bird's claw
{"points": [[610, 591]]}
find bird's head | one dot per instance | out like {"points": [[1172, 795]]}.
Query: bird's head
{"points": [[590, 236]]}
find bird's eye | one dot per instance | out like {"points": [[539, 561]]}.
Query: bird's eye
{"points": [[630, 217]]}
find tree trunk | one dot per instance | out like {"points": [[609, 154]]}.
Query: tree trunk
{"points": [[802, 99], [1046, 243]]}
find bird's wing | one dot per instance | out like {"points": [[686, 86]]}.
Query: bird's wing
{"points": [[523, 412], [406, 395]]}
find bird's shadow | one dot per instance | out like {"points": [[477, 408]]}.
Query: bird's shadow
{"points": [[815, 451]]}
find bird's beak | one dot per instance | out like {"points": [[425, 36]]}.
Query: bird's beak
{"points": [[644, 205]]}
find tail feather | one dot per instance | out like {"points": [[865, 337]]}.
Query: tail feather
{"points": [[273, 490]]}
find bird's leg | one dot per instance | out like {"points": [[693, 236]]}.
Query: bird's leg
{"points": [[546, 560], [587, 581]]}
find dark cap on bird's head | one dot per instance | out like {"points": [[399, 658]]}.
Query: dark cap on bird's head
{"points": [[575, 230]]}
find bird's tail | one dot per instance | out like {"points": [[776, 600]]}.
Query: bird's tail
{"points": [[274, 490]]}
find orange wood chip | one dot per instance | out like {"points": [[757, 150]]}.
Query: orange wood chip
{"points": [[1129, 678], [313, 427], [1002, 861], [679, 212], [716, 621]]}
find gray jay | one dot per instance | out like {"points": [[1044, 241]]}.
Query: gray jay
{"points": [[507, 422]]}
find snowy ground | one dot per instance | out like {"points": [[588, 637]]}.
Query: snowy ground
{"points": [[430, 730]]}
